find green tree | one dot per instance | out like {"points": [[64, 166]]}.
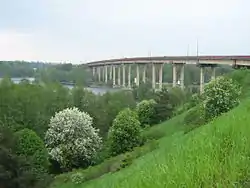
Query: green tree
{"points": [[15, 170], [125, 133], [30, 145], [146, 112]]}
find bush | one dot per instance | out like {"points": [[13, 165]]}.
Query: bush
{"points": [[71, 140], [127, 160], [125, 133], [77, 178], [220, 96], [194, 118], [30, 145], [145, 110]]}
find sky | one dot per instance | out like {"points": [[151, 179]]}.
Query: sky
{"points": [[80, 31]]}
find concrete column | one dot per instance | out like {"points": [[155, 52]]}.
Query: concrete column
{"points": [[182, 76], [123, 76], [201, 79], [213, 73], [174, 75], [160, 76], [119, 75], [153, 75], [110, 72], [113, 75], [144, 73], [129, 76], [137, 75], [99, 73], [106, 74], [93, 71]]}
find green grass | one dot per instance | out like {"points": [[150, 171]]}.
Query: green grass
{"points": [[214, 155]]}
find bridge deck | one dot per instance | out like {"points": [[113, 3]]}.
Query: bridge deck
{"points": [[167, 59]]}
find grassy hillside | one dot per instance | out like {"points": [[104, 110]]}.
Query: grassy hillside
{"points": [[214, 155]]}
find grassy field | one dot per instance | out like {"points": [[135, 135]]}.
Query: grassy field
{"points": [[214, 155]]}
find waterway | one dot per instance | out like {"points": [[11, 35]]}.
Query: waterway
{"points": [[95, 90]]}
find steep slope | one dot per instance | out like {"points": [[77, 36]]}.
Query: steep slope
{"points": [[214, 155]]}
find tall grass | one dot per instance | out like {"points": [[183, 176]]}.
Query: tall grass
{"points": [[214, 155]]}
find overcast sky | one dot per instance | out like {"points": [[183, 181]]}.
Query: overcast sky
{"points": [[86, 30]]}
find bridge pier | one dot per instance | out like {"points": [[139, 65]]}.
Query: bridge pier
{"points": [[174, 75], [110, 72], [182, 76], [153, 75], [123, 76], [119, 76], [201, 79], [213, 73], [99, 73], [160, 75], [137, 75], [106, 74], [144, 73], [93, 71], [202, 71], [180, 66], [129, 76], [114, 76]]}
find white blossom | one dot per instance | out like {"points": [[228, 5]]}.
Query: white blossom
{"points": [[221, 95], [71, 138]]}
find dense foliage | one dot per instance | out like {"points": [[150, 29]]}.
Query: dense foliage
{"points": [[146, 112], [29, 144], [163, 107], [71, 140], [125, 133], [220, 96], [18, 170]]}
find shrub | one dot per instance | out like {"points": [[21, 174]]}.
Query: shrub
{"points": [[125, 133], [127, 160], [77, 178], [30, 145], [71, 140], [145, 110], [220, 96]]}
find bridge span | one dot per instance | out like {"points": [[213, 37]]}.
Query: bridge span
{"points": [[178, 63]]}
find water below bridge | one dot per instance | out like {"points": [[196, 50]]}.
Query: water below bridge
{"points": [[96, 90]]}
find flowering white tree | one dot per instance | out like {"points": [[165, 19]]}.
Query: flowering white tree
{"points": [[71, 140], [220, 96]]}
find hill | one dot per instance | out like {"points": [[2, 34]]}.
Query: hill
{"points": [[216, 155]]}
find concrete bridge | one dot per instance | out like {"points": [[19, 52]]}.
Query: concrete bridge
{"points": [[178, 63]]}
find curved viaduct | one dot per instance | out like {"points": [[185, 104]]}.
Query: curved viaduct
{"points": [[176, 61]]}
